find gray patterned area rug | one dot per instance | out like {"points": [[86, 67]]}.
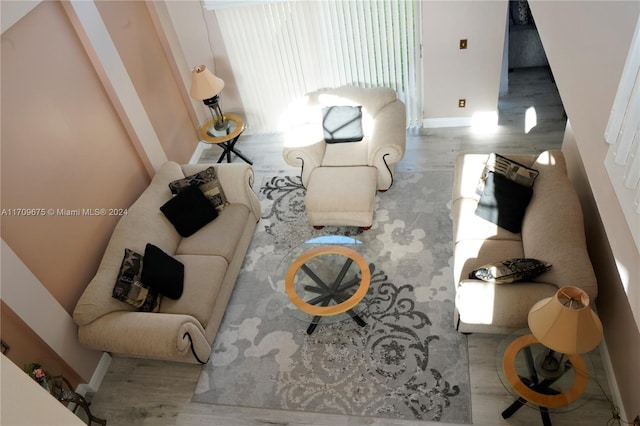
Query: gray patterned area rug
{"points": [[408, 362]]}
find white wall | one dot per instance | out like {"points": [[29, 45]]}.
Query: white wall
{"points": [[587, 44], [587, 63], [450, 73], [198, 35], [24, 402]]}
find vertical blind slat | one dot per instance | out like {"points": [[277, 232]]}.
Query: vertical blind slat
{"points": [[279, 51]]}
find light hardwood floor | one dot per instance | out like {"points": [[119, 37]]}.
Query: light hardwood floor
{"points": [[145, 392]]}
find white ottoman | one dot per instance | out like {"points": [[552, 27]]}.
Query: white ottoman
{"points": [[341, 196]]}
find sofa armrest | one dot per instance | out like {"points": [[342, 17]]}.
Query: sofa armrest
{"points": [[387, 142], [304, 147], [500, 305], [237, 181], [148, 335]]}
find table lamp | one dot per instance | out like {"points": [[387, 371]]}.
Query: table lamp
{"points": [[564, 324], [207, 87]]}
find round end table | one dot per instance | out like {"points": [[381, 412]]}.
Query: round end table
{"points": [[518, 361], [226, 138]]}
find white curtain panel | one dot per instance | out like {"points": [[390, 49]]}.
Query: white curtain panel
{"points": [[281, 50]]}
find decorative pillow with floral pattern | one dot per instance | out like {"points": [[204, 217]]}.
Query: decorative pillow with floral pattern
{"points": [[129, 287], [509, 271]]}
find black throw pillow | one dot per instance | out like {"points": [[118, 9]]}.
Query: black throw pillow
{"points": [[162, 272], [504, 202], [342, 124], [189, 211]]}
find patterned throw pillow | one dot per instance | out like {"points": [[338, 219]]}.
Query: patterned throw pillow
{"points": [[342, 124], [512, 170], [509, 271], [129, 287], [208, 182]]}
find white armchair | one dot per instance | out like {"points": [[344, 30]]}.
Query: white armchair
{"points": [[383, 126]]}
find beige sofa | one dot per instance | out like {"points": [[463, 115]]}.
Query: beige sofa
{"points": [[552, 231], [183, 329]]}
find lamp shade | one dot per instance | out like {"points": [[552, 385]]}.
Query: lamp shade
{"points": [[204, 84], [565, 323]]}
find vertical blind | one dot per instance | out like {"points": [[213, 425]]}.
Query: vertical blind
{"points": [[280, 50], [623, 134]]}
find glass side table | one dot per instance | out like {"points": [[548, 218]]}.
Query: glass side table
{"points": [[518, 362], [61, 389], [226, 138]]}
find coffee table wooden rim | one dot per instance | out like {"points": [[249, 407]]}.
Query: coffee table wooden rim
{"points": [[549, 401], [339, 308]]}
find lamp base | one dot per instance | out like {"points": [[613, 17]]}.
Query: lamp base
{"points": [[550, 364], [222, 124]]}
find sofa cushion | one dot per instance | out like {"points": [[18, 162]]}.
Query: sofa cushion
{"points": [[208, 182], [189, 211], [220, 237], [342, 123], [468, 226], [498, 305], [143, 223], [504, 202], [162, 272], [470, 254], [560, 241], [129, 287], [346, 154], [203, 279], [511, 270]]}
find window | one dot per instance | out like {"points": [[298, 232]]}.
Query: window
{"points": [[281, 50]]}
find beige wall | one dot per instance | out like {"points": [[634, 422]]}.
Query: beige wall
{"points": [[200, 41], [134, 35], [70, 141], [28, 347], [472, 74], [63, 147], [587, 62], [25, 403]]}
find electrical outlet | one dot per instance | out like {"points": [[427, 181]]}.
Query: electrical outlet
{"points": [[462, 103], [463, 43], [636, 421]]}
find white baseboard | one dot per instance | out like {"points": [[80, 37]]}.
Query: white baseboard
{"points": [[200, 148], [97, 377], [611, 377], [446, 122]]}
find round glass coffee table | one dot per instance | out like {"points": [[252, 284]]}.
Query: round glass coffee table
{"points": [[326, 279]]}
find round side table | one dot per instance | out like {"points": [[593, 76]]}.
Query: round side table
{"points": [[518, 364], [225, 138]]}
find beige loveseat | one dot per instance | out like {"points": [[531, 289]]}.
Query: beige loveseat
{"points": [[183, 329], [552, 231]]}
